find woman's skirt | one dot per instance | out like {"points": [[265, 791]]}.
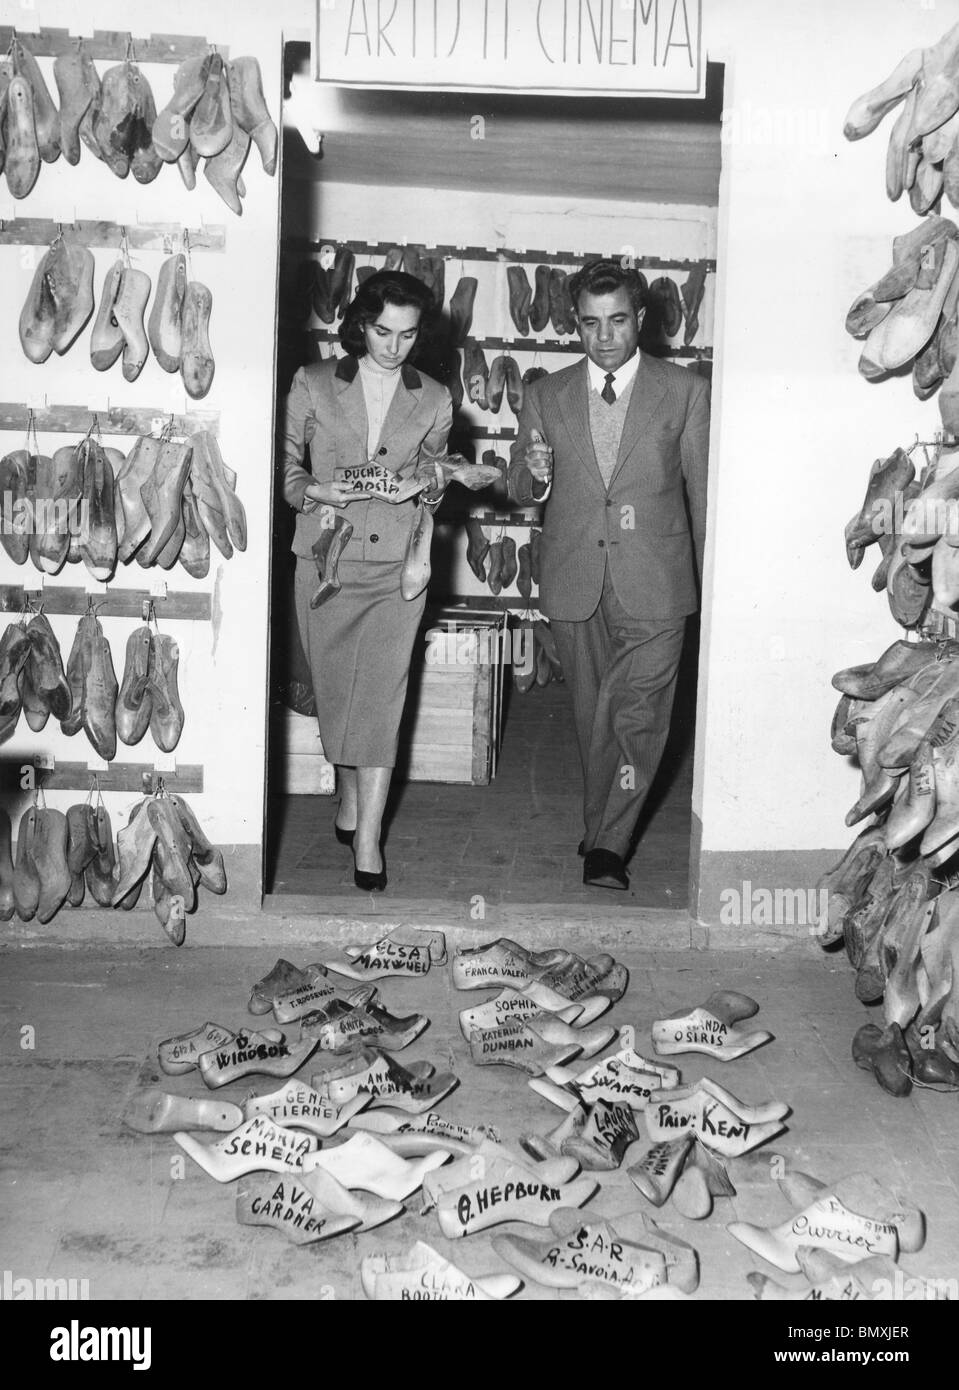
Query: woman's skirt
{"points": [[359, 644]]}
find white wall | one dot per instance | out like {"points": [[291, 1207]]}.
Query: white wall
{"points": [[804, 226], [223, 664]]}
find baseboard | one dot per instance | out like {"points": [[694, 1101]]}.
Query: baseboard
{"points": [[759, 891]]}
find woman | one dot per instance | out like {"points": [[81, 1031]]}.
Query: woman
{"points": [[371, 406]]}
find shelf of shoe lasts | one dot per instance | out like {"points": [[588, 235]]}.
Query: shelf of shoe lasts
{"points": [[77, 419], [140, 236], [328, 335], [493, 253], [112, 44], [109, 603], [113, 777]]}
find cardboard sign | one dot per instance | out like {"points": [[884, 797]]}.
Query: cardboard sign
{"points": [[580, 47]]}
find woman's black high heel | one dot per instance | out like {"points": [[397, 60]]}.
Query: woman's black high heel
{"points": [[371, 883], [345, 837]]}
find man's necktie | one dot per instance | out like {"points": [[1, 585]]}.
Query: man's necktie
{"points": [[607, 393]]}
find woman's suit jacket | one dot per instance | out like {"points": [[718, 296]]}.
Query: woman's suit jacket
{"points": [[326, 410]]}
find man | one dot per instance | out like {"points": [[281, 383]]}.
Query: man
{"points": [[618, 443]]}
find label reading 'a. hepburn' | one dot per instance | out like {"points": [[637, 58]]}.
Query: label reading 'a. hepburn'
{"points": [[474, 1202]]}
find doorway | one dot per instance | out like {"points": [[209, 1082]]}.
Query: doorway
{"points": [[486, 182]]}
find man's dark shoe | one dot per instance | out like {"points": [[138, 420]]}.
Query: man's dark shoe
{"points": [[604, 869]]}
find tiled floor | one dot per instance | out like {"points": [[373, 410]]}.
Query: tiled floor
{"points": [[512, 841], [82, 1197]]}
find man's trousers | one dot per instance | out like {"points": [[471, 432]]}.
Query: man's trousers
{"points": [[621, 673]]}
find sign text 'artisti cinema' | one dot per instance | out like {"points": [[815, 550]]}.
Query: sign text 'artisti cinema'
{"points": [[634, 47]]}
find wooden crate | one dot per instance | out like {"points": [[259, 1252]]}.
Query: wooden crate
{"points": [[451, 726]]}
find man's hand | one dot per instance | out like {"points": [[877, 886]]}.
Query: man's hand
{"points": [[539, 458], [331, 494]]}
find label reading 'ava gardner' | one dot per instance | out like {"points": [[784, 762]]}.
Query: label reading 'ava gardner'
{"points": [[291, 1206]]}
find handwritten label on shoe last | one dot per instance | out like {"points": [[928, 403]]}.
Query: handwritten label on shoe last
{"points": [[509, 967], [260, 1138], [290, 1207], [829, 1224], [189, 1049], [395, 957], [475, 1202], [248, 1048], [595, 1253], [287, 1007], [618, 1082], [440, 1284]]}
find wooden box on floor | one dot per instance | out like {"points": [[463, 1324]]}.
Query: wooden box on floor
{"points": [[451, 726], [297, 754]]}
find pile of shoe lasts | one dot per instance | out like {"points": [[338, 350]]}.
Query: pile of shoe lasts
{"points": [[86, 696], [844, 1237], [160, 504], [216, 109], [346, 1150], [60, 303], [917, 527], [60, 856], [59, 859], [548, 1000], [550, 301], [923, 153], [884, 899], [485, 385], [164, 840], [325, 284], [909, 316], [542, 664]]}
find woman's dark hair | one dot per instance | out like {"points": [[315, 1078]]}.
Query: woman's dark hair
{"points": [[385, 287], [606, 277]]}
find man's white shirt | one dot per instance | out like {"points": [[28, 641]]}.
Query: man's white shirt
{"points": [[621, 377]]}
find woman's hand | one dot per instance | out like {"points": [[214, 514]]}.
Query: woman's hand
{"points": [[331, 494], [430, 472]]}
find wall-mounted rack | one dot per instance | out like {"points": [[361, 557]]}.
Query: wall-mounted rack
{"points": [[524, 520], [110, 603], [497, 602], [140, 236], [493, 253], [77, 419], [115, 777], [327, 335], [110, 44]]}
